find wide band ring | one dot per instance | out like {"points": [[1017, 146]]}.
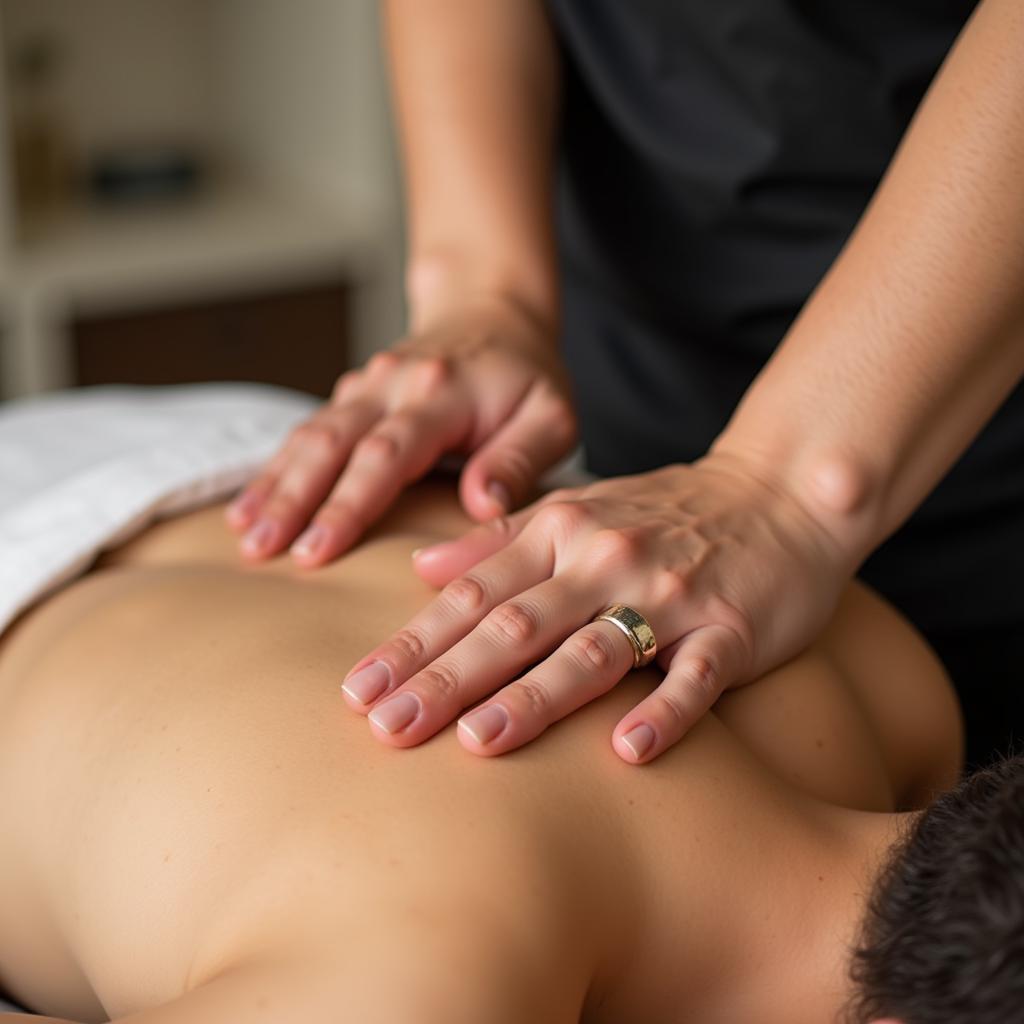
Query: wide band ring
{"points": [[636, 628]]}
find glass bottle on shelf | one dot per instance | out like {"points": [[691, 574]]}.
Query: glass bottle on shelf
{"points": [[42, 165]]}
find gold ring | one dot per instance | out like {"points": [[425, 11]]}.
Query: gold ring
{"points": [[636, 628]]}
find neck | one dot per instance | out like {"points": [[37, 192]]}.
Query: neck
{"points": [[805, 972], [780, 929]]}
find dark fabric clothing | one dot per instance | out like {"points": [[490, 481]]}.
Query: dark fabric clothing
{"points": [[987, 663], [715, 155]]}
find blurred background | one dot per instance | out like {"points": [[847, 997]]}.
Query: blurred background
{"points": [[194, 190]]}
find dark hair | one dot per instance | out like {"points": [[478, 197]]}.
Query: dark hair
{"points": [[943, 937]]}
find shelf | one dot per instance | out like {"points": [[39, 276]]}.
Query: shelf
{"points": [[283, 101], [234, 239]]}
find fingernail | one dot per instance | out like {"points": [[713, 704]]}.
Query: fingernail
{"points": [[394, 715], [500, 495], [639, 740], [368, 683], [259, 537], [429, 551], [310, 542], [484, 724]]}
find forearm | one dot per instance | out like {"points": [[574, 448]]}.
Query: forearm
{"points": [[475, 91], [916, 334]]}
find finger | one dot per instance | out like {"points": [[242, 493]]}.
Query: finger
{"points": [[244, 509], [399, 450], [308, 467], [704, 663], [512, 636], [588, 664], [441, 563], [449, 618], [505, 469]]}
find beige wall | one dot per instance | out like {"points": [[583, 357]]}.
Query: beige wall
{"points": [[304, 99], [303, 94], [132, 66], [287, 93]]}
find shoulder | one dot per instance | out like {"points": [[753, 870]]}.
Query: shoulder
{"points": [[904, 690], [865, 717]]}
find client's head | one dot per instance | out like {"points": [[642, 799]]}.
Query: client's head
{"points": [[943, 937]]}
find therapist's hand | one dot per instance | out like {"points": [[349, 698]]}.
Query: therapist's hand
{"points": [[733, 573], [483, 381]]}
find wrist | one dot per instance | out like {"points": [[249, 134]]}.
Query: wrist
{"points": [[438, 286], [841, 493]]}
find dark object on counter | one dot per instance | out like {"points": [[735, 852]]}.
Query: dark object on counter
{"points": [[136, 175]]}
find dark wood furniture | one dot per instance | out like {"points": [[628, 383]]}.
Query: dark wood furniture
{"points": [[297, 338]]}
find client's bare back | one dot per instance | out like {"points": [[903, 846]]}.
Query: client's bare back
{"points": [[199, 830]]}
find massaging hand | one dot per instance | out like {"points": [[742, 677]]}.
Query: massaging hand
{"points": [[733, 574], [484, 382]]}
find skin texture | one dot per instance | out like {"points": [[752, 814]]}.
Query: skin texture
{"points": [[907, 347], [195, 831]]}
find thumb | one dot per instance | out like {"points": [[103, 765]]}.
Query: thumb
{"points": [[504, 471], [704, 663]]}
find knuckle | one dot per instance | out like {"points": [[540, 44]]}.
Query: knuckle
{"points": [[535, 698], [340, 512], [281, 506], [675, 710], [404, 423], [345, 385], [381, 362], [318, 438], [592, 649], [431, 373], [514, 621], [614, 547], [441, 680], [563, 517], [465, 595], [410, 645], [378, 447], [671, 586], [701, 676], [499, 525]]}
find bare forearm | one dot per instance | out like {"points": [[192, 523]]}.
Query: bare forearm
{"points": [[474, 83], [916, 335]]}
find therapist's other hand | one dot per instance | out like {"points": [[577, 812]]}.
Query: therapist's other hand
{"points": [[484, 381], [733, 573]]}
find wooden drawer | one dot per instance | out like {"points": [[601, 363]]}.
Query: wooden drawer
{"points": [[297, 339]]}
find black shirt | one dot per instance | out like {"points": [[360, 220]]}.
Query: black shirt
{"points": [[715, 155]]}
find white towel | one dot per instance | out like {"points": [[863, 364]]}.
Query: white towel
{"points": [[84, 470]]}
